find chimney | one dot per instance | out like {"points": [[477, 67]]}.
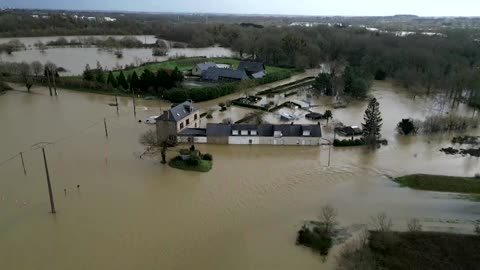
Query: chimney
{"points": [[291, 123], [318, 123], [166, 114]]}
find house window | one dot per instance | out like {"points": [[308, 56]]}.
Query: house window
{"points": [[195, 117], [188, 122], [234, 132], [250, 141], [181, 125], [306, 133], [253, 133], [244, 132]]}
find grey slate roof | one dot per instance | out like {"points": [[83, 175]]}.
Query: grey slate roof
{"points": [[244, 127], [315, 130], [219, 130], [265, 130], [206, 65], [215, 74], [251, 67], [178, 112]]}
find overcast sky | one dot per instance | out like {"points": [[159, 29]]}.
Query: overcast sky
{"points": [[293, 7]]}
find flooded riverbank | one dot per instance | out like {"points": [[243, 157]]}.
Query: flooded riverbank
{"points": [[74, 59], [244, 214]]}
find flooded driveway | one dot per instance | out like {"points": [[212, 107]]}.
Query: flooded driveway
{"points": [[138, 214]]}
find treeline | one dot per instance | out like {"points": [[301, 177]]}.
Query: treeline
{"points": [[148, 83], [11, 46], [110, 42], [418, 62]]}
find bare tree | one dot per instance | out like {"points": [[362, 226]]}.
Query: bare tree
{"points": [[477, 228], [50, 73], [382, 223], [37, 68], [414, 225], [328, 217], [25, 73], [148, 138]]}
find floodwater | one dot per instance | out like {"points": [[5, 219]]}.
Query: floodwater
{"points": [[74, 59], [132, 213]]}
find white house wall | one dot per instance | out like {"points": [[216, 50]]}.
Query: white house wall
{"points": [[243, 140], [196, 139]]}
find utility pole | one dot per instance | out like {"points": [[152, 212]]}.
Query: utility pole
{"points": [[116, 103], [134, 106], [105, 124], [52, 204], [23, 164]]}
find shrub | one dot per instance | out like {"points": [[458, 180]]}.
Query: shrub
{"points": [[193, 160], [345, 143], [178, 158], [316, 239], [207, 157], [184, 152], [406, 127]]}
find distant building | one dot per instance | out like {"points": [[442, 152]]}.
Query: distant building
{"points": [[200, 68], [254, 69], [110, 19], [35, 16], [224, 74], [176, 120]]}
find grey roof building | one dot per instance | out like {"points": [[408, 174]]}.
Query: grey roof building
{"points": [[178, 112], [251, 67], [224, 74], [200, 68], [265, 130], [219, 130]]}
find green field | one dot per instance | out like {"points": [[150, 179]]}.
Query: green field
{"points": [[441, 183], [188, 64]]}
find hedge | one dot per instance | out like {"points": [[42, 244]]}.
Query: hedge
{"points": [[344, 143], [208, 93]]}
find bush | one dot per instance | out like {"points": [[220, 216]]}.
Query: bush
{"points": [[178, 158], [344, 143], [316, 239], [184, 152], [406, 127], [207, 157], [193, 160]]}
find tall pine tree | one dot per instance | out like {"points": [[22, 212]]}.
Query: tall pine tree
{"points": [[134, 81], [122, 81], [373, 123], [111, 80]]}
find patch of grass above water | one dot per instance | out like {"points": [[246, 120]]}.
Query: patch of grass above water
{"points": [[441, 183], [203, 165]]}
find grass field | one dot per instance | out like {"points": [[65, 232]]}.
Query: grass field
{"points": [[204, 165], [467, 185], [188, 63]]}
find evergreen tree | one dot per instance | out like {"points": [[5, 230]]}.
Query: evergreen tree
{"points": [[100, 76], [122, 81], [111, 80], [324, 84], [373, 123], [88, 73], [328, 115], [134, 81]]}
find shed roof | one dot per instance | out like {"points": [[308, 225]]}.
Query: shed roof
{"points": [[215, 74], [219, 130], [251, 67], [206, 65]]}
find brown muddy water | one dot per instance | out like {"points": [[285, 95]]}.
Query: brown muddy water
{"points": [[74, 59], [244, 214]]}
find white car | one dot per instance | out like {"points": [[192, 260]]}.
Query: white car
{"points": [[151, 120]]}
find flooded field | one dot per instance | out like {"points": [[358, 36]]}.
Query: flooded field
{"points": [[75, 59], [131, 213]]}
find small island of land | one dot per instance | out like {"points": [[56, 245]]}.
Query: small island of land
{"points": [[192, 160], [442, 183]]}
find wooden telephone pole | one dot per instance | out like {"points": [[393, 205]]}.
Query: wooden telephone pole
{"points": [[50, 193]]}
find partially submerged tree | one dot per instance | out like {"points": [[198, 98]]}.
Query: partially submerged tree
{"points": [[25, 73], [328, 218], [373, 123], [50, 73], [328, 115], [407, 127]]}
